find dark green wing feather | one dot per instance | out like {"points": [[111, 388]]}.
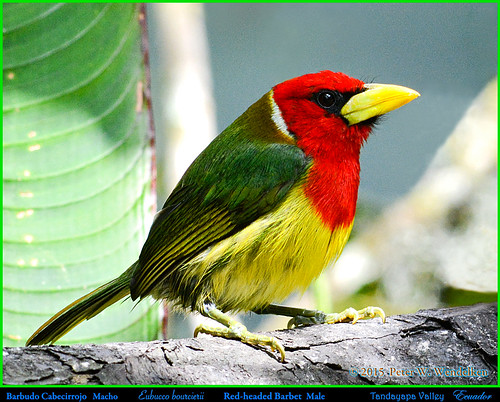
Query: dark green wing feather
{"points": [[233, 182]]}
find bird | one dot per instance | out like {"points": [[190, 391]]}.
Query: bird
{"points": [[259, 214]]}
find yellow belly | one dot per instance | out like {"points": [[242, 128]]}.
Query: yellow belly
{"points": [[269, 259]]}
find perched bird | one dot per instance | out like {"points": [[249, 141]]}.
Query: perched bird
{"points": [[259, 213]]}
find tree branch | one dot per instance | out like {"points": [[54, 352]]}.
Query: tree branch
{"points": [[442, 346]]}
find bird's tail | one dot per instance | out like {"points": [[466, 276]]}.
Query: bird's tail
{"points": [[82, 309]]}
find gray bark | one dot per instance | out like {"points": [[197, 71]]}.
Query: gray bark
{"points": [[441, 346]]}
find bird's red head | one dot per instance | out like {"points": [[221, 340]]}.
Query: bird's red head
{"points": [[311, 106], [330, 115]]}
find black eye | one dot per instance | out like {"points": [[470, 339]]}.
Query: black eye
{"points": [[331, 101], [325, 99]]}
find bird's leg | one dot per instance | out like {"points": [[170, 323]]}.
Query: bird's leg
{"points": [[235, 330], [306, 317], [303, 317]]}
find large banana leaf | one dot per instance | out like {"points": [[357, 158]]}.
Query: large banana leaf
{"points": [[77, 198]]}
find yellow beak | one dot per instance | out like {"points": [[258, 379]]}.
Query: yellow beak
{"points": [[376, 100]]}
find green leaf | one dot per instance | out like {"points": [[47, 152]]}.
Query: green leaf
{"points": [[77, 165]]}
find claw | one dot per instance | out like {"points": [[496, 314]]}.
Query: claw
{"points": [[348, 315], [372, 312], [235, 330], [352, 315]]}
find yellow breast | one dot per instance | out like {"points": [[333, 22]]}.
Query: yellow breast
{"points": [[272, 257]]}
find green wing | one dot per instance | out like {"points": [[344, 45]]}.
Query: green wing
{"points": [[233, 182]]}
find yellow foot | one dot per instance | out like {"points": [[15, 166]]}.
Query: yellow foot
{"points": [[349, 315], [235, 330], [352, 315]]}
